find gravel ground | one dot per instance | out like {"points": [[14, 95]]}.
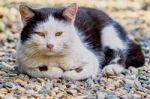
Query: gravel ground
{"points": [[134, 83]]}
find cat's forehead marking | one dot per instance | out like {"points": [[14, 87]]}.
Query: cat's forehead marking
{"points": [[52, 25], [55, 12]]}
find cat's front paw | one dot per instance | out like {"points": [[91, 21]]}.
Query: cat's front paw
{"points": [[112, 70], [70, 75]]}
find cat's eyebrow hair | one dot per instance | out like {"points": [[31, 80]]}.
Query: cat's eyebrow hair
{"points": [[33, 20]]}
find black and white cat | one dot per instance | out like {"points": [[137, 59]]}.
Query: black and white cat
{"points": [[74, 43]]}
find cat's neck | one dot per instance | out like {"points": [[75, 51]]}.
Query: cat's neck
{"points": [[77, 44]]}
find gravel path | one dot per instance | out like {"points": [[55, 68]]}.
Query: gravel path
{"points": [[134, 83]]}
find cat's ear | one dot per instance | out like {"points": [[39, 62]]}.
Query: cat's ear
{"points": [[70, 12], [26, 13]]}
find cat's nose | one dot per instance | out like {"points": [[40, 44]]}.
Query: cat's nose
{"points": [[50, 46]]}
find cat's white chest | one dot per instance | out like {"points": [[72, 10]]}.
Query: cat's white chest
{"points": [[36, 62]]}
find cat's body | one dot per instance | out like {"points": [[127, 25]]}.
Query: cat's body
{"points": [[80, 43]]}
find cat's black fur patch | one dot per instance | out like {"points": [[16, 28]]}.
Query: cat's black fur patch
{"points": [[43, 68]]}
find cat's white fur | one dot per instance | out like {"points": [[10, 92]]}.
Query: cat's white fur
{"points": [[68, 53], [112, 69], [111, 39]]}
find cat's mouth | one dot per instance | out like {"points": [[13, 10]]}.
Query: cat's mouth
{"points": [[50, 53]]}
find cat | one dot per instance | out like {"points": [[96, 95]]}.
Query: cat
{"points": [[74, 43]]}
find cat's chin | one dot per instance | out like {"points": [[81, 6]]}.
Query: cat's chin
{"points": [[50, 53], [53, 54]]}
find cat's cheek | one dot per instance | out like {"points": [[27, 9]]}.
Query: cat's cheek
{"points": [[39, 40]]}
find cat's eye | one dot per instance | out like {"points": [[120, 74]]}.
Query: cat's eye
{"points": [[58, 33], [40, 34]]}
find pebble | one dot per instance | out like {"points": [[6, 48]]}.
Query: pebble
{"points": [[30, 91], [127, 87], [3, 73], [147, 87], [42, 91], [79, 97], [2, 26], [46, 96], [101, 95], [2, 95], [9, 84], [147, 91], [121, 92], [21, 90], [23, 97], [3, 90], [62, 87], [111, 95], [136, 96], [53, 94], [21, 82], [12, 75], [138, 85], [59, 95], [133, 70], [72, 92], [143, 78]]}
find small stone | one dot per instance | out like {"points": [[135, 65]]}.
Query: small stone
{"points": [[21, 82], [37, 87], [35, 96], [53, 94], [23, 97], [80, 97], [143, 78], [101, 95], [78, 89], [9, 84], [2, 95], [56, 89], [12, 75], [3, 90], [59, 95], [2, 26], [62, 87], [136, 96], [141, 93], [72, 92], [111, 95], [147, 91], [133, 70], [121, 92], [124, 97], [64, 97], [147, 87], [138, 85], [40, 80], [21, 90], [129, 81], [127, 86], [42, 91], [46, 96], [30, 91], [3, 73]]}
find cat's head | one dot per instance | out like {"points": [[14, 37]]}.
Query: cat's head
{"points": [[48, 30]]}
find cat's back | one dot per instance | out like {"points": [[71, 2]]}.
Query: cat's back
{"points": [[90, 22], [92, 16]]}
